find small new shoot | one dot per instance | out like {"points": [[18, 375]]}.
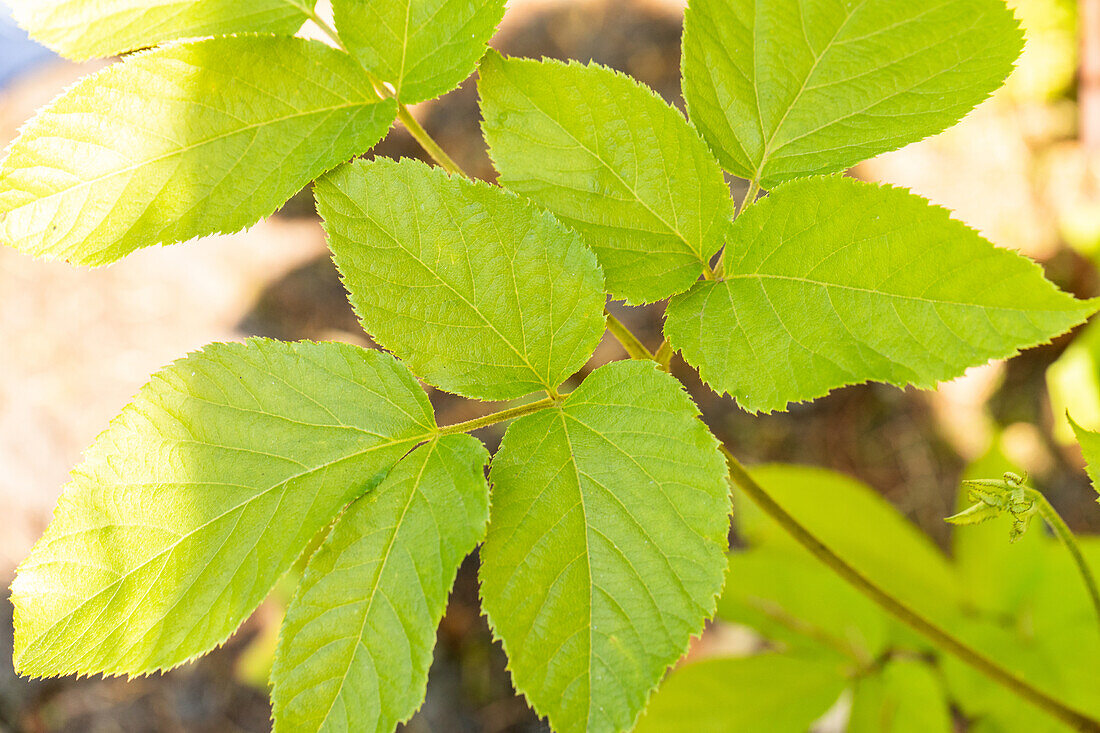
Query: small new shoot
{"points": [[1011, 495]]}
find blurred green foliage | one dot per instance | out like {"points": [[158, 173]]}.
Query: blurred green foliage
{"points": [[1021, 604]]}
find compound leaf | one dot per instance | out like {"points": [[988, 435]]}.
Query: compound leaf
{"points": [[482, 294], [421, 48], [357, 641], [202, 492], [779, 693], [830, 281], [790, 88], [605, 544], [85, 29], [184, 141], [612, 160]]}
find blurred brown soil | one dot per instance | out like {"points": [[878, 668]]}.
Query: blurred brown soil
{"points": [[77, 344]]}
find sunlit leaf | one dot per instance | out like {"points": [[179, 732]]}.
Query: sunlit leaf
{"points": [[605, 545], [202, 492], [181, 142]]}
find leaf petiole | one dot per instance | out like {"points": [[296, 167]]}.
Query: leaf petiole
{"points": [[631, 344], [497, 417], [431, 147]]}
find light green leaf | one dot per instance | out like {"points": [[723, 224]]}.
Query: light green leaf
{"points": [[605, 545], [777, 693], [1019, 650], [1046, 636], [357, 642], [420, 48], [614, 161], [202, 492], [479, 292], [1073, 382], [905, 697], [181, 142], [85, 29], [831, 281], [1090, 447], [790, 597], [858, 525], [790, 88]]}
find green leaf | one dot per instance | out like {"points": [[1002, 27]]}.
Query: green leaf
{"points": [[85, 29], [831, 281], [1073, 381], [1018, 649], [605, 545], [612, 160], [905, 697], [791, 88], [202, 492], [777, 693], [357, 641], [420, 48], [1090, 447], [181, 142], [479, 292], [1046, 636], [790, 597], [858, 525]]}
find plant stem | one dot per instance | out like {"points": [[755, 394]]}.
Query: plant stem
{"points": [[664, 355], [635, 348], [1065, 536], [942, 638], [498, 417], [431, 147]]}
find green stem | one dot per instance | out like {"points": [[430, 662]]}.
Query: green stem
{"points": [[431, 147], [497, 417], [664, 355], [634, 348], [1065, 536], [1073, 718]]}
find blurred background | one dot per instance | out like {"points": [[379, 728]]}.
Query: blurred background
{"points": [[1024, 169]]}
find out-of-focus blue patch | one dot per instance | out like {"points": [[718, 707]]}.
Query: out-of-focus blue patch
{"points": [[18, 53]]}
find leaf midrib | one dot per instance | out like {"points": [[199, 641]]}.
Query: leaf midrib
{"points": [[587, 559], [802, 89]]}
